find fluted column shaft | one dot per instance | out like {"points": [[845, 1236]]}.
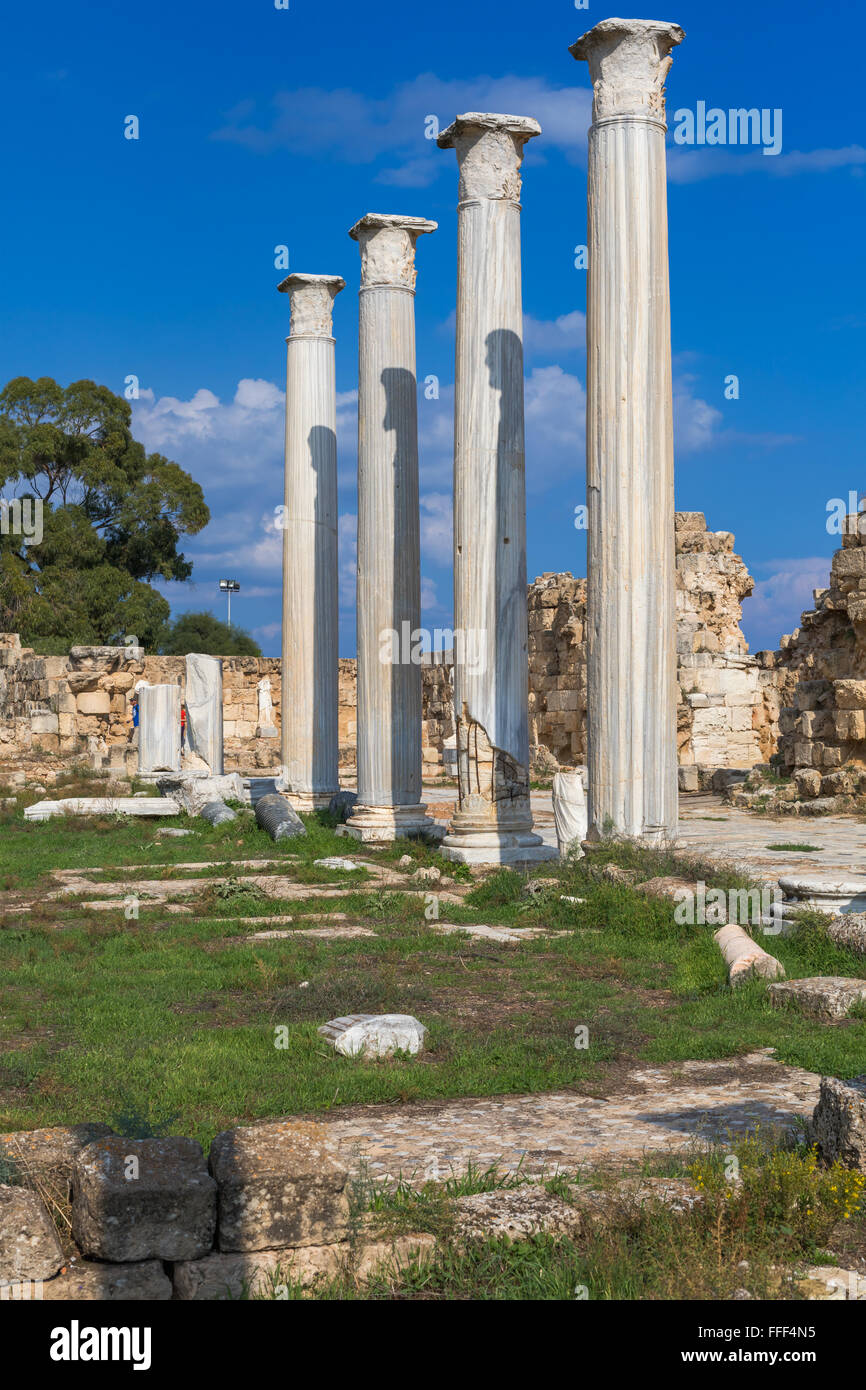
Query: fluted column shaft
{"points": [[310, 674], [493, 823], [389, 541], [631, 636]]}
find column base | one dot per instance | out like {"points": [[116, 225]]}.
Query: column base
{"points": [[651, 836], [381, 825], [497, 847], [307, 801]]}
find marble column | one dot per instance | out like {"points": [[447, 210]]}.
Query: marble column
{"points": [[389, 543], [631, 638], [310, 694], [204, 709], [159, 728], [493, 822]]}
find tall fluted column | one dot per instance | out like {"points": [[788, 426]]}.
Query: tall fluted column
{"points": [[389, 543], [310, 693], [631, 637], [493, 822]]}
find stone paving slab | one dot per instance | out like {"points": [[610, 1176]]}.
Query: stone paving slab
{"points": [[656, 1109], [731, 833]]}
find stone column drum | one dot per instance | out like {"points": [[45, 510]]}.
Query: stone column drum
{"points": [[493, 822], [310, 695], [631, 637], [389, 543], [159, 728], [204, 709]]}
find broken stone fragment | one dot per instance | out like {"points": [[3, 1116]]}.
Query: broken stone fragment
{"points": [[143, 1199], [849, 930], [280, 1184], [29, 1248], [341, 804], [821, 996], [838, 1124], [515, 1214], [49, 1153], [374, 1035], [612, 873]]}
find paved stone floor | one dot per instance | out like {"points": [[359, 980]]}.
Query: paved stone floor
{"points": [[654, 1110], [710, 826]]}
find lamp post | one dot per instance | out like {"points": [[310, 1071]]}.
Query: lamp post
{"points": [[229, 587]]}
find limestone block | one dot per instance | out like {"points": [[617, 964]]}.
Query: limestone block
{"points": [[259, 1273], [849, 930], [838, 1124], [29, 1248], [93, 702], [821, 996], [44, 722], [48, 1153], [143, 1199], [848, 563], [280, 1184], [850, 694], [808, 781], [91, 1282], [515, 1214]]}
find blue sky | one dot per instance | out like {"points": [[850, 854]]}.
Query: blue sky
{"points": [[262, 127]]}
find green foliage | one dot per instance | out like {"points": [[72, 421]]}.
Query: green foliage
{"points": [[112, 517], [202, 632]]}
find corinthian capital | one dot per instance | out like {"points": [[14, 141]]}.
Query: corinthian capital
{"points": [[489, 152], [387, 243], [311, 303], [628, 62]]}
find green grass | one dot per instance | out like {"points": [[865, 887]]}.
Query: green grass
{"points": [[799, 849], [171, 1019]]}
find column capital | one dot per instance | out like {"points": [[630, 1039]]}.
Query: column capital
{"points": [[311, 303], [387, 243], [629, 60], [489, 152]]}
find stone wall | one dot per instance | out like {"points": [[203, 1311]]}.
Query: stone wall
{"points": [[728, 704], [80, 703], [269, 1205], [823, 725]]}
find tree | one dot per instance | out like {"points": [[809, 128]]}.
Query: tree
{"points": [[111, 517], [202, 632]]}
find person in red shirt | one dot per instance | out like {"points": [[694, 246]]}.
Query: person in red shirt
{"points": [[182, 728]]}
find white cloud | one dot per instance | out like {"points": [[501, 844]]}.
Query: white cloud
{"points": [[567, 333], [692, 165], [555, 427], [347, 531], [779, 599], [696, 423], [437, 528], [349, 126]]}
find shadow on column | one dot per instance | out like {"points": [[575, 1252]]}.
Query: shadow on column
{"points": [[325, 751], [504, 360], [404, 735]]}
